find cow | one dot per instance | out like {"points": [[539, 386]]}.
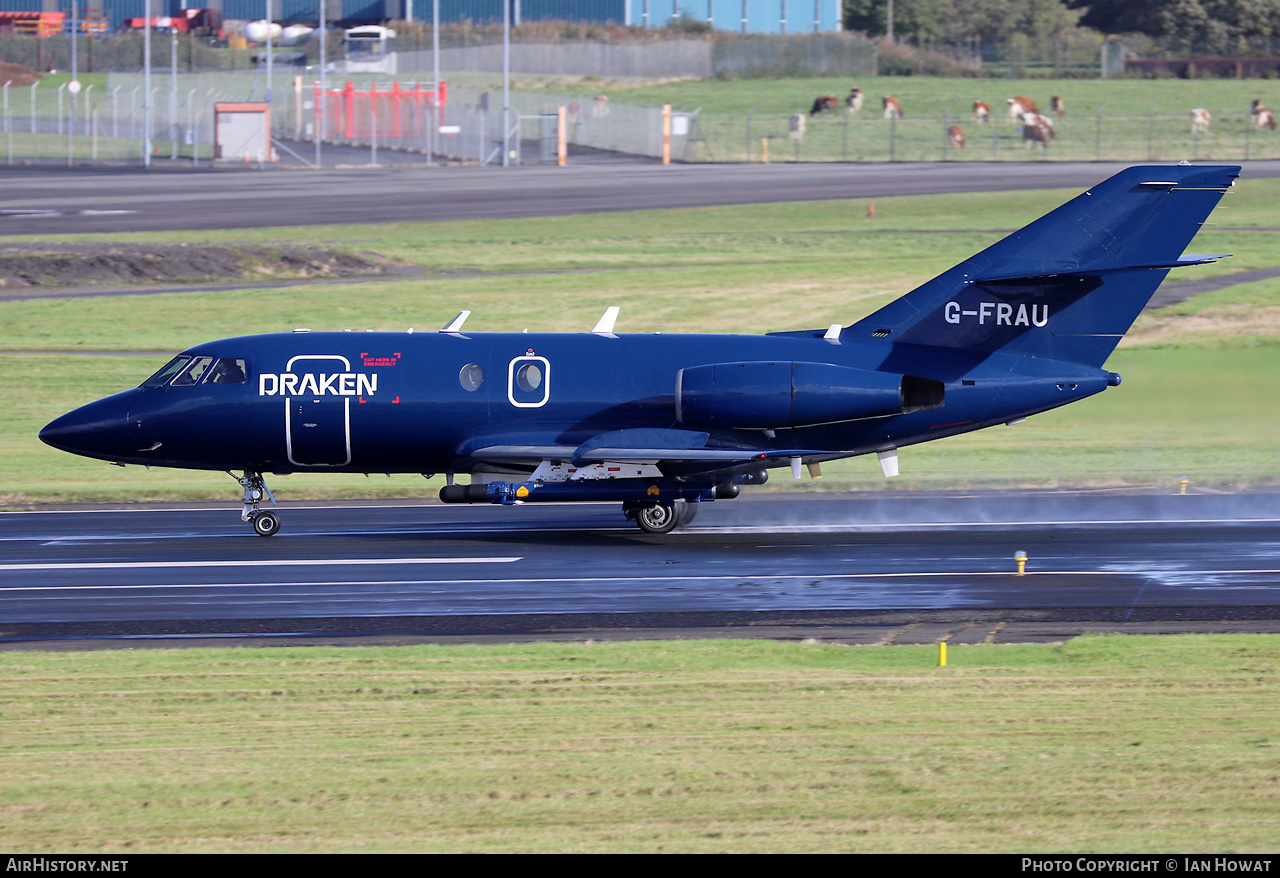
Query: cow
{"points": [[1037, 129], [892, 109], [955, 137], [1057, 107], [854, 100], [1200, 121], [1262, 116], [981, 112], [823, 104], [1019, 106]]}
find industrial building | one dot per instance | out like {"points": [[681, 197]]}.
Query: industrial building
{"points": [[743, 16]]}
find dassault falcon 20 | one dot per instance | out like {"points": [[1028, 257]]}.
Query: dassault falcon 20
{"points": [[660, 422]]}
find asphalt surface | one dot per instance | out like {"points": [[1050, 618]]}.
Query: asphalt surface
{"points": [[44, 200], [851, 568], [875, 569]]}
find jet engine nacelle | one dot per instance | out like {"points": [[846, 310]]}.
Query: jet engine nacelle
{"points": [[766, 395]]}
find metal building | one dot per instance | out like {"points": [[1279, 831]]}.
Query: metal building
{"points": [[745, 16]]}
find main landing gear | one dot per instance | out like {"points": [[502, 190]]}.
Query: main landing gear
{"points": [[265, 524], [663, 518]]}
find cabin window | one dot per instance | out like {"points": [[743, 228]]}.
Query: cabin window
{"points": [[227, 370], [471, 377], [529, 382], [529, 377], [193, 373], [170, 369]]}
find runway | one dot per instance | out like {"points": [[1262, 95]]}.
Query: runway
{"points": [[840, 567], [65, 201]]}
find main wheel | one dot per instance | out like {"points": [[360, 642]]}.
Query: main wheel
{"points": [[658, 519], [265, 524]]}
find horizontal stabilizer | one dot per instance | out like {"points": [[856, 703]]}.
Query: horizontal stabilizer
{"points": [[1181, 262]]}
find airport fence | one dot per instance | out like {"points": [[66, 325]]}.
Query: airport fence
{"points": [[43, 123], [1096, 136]]}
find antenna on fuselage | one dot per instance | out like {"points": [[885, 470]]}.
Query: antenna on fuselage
{"points": [[455, 325], [606, 322]]}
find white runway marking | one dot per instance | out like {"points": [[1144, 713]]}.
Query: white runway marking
{"points": [[655, 579], [514, 528], [297, 562]]}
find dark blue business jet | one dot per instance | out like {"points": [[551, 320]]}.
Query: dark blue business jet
{"points": [[660, 422]]}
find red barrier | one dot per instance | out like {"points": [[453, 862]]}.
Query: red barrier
{"points": [[38, 24], [350, 114]]}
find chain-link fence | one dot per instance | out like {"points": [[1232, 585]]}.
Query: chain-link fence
{"points": [[681, 59], [1099, 136], [46, 123]]}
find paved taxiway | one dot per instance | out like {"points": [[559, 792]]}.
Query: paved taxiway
{"points": [[839, 567], [39, 201]]}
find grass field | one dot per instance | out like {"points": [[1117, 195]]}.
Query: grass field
{"points": [[1196, 398], [1102, 744], [1114, 119]]}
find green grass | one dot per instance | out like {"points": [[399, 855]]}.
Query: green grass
{"points": [[1196, 398], [933, 96], [1097, 745], [1127, 131]]}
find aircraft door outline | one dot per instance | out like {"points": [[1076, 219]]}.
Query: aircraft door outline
{"points": [[529, 382], [318, 414]]}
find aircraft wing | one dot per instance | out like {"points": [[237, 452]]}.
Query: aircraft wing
{"points": [[686, 448]]}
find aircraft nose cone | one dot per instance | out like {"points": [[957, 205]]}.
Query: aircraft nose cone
{"points": [[94, 430]]}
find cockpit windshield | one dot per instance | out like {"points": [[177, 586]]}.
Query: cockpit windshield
{"points": [[185, 371], [193, 373], [170, 369]]}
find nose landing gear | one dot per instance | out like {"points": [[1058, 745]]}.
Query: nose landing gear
{"points": [[265, 524]]}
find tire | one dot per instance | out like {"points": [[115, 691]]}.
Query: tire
{"points": [[658, 519], [266, 524]]}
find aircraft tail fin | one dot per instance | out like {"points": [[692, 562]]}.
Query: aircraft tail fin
{"points": [[1068, 285]]}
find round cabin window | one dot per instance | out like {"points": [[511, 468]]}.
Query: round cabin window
{"points": [[529, 377], [471, 377]]}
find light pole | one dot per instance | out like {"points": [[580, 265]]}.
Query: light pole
{"points": [[506, 81], [173, 90], [268, 2], [146, 84]]}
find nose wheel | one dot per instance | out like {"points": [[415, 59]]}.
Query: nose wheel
{"points": [[265, 524]]}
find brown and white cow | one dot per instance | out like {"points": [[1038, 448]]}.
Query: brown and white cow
{"points": [[1057, 107], [955, 137], [824, 104], [981, 111], [854, 100], [1037, 129], [1262, 117], [1020, 106], [1200, 121], [892, 109]]}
